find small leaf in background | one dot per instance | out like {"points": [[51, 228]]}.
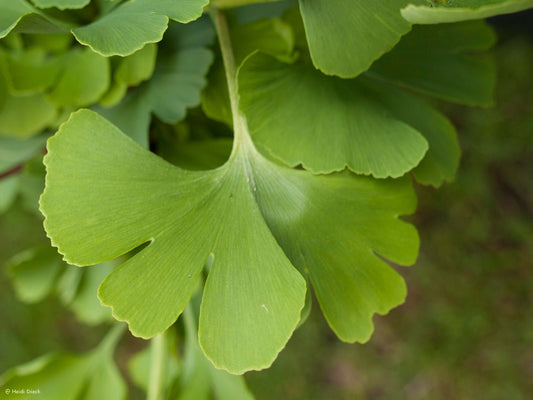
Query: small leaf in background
{"points": [[8, 192], [34, 273], [239, 213], [131, 71], [346, 36], [25, 116], [145, 21], [84, 79], [16, 151], [93, 376], [324, 123], [40, 272], [463, 10], [30, 71], [449, 61]]}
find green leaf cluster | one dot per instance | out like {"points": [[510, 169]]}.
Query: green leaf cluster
{"points": [[331, 108]]}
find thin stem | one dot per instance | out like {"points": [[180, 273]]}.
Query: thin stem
{"points": [[157, 367], [240, 125], [111, 339]]}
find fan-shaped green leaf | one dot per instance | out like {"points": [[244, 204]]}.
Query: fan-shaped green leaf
{"points": [[203, 216], [61, 4], [329, 227], [448, 61], [346, 36], [324, 123], [463, 10], [135, 23]]}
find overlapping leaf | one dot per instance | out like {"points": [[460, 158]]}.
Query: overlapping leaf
{"points": [[124, 196], [133, 24], [462, 10], [449, 61], [324, 123], [358, 123], [346, 36]]}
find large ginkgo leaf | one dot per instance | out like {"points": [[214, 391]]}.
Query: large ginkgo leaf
{"points": [[254, 220], [462, 10], [135, 23], [346, 36]]}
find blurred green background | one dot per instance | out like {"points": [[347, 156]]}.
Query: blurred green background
{"points": [[466, 330]]}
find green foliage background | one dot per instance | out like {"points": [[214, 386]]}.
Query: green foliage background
{"points": [[466, 330]]}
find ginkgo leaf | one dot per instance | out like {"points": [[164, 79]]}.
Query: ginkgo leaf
{"points": [[34, 273], [25, 116], [463, 10], [61, 4], [324, 123], [30, 72], [238, 216], [135, 23], [346, 36], [23, 17], [84, 79], [449, 61], [271, 36], [92, 376], [39, 272], [131, 71]]}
